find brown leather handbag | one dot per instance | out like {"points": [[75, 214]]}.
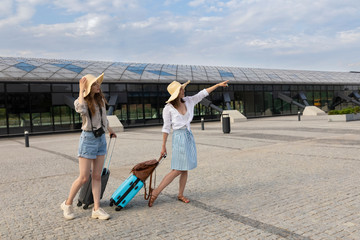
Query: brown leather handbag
{"points": [[145, 169]]}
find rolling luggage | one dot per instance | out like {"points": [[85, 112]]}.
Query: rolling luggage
{"points": [[132, 185], [86, 196], [127, 190]]}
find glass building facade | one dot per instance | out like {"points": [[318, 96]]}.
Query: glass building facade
{"points": [[34, 92]]}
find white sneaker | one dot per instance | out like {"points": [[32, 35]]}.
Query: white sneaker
{"points": [[100, 214], [68, 211]]}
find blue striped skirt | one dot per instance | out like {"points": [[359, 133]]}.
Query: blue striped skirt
{"points": [[184, 155]]}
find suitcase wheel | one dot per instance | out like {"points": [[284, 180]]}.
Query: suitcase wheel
{"points": [[118, 208], [111, 203], [79, 204], [86, 206]]}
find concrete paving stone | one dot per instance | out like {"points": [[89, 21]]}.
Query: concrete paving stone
{"points": [[267, 179], [355, 235]]}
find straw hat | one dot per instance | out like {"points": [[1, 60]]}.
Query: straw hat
{"points": [[174, 89], [90, 81]]}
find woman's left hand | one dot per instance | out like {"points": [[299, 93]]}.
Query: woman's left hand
{"points": [[112, 134], [223, 84]]}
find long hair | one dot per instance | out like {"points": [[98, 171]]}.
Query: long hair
{"points": [[99, 99], [175, 102]]}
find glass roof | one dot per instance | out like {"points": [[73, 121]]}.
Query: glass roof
{"points": [[56, 70]]}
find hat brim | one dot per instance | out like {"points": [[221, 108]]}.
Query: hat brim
{"points": [[177, 91], [90, 82]]}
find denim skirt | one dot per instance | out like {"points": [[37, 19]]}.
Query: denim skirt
{"points": [[184, 155], [90, 147]]}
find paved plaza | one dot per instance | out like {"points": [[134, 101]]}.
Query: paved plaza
{"points": [[270, 178]]}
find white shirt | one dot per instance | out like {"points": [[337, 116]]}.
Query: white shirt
{"points": [[172, 117]]}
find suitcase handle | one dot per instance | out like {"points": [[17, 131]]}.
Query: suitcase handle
{"points": [[107, 154], [162, 157]]}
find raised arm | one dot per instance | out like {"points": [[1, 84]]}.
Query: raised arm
{"points": [[82, 84], [212, 88]]}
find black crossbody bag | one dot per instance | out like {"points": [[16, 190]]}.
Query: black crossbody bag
{"points": [[100, 131]]}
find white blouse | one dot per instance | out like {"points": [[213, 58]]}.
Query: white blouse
{"points": [[172, 117]]}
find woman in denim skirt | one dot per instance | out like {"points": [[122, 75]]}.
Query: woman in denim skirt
{"points": [[177, 114], [92, 145]]}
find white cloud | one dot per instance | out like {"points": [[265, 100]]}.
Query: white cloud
{"points": [[23, 13], [354, 65], [6, 8], [295, 44], [161, 24], [142, 24], [210, 19], [101, 7], [350, 36], [202, 31], [207, 5], [170, 2], [80, 6], [196, 3], [91, 25]]}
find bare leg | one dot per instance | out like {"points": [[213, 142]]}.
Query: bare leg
{"points": [[84, 167], [96, 179], [166, 181], [182, 182]]}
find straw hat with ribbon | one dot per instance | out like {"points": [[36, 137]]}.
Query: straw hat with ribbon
{"points": [[90, 81], [174, 89]]}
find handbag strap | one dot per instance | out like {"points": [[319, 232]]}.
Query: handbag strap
{"points": [[147, 196], [102, 124]]}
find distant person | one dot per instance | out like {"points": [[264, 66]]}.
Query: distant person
{"points": [[92, 145], [178, 114]]}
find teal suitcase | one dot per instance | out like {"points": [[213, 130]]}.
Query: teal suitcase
{"points": [[127, 190]]}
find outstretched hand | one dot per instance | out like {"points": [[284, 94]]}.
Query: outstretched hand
{"points": [[223, 84], [212, 88]]}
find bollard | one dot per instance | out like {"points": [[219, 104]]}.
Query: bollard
{"points": [[226, 123], [26, 133], [299, 113], [202, 124]]}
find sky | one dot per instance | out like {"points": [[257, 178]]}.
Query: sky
{"points": [[319, 35]]}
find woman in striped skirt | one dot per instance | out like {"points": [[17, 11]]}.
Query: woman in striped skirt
{"points": [[177, 114]]}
